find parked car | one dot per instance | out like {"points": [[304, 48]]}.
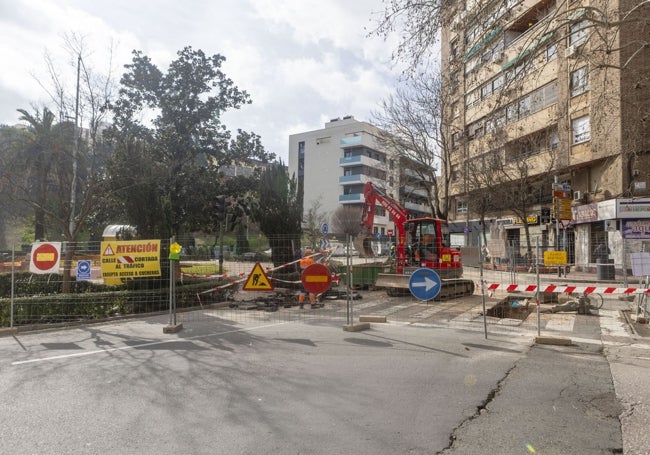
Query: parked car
{"points": [[254, 256]]}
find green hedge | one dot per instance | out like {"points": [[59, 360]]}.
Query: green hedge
{"points": [[56, 307]]}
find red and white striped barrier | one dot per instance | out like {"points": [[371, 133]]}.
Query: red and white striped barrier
{"points": [[566, 289], [243, 277]]}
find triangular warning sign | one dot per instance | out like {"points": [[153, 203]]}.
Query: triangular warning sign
{"points": [[257, 280], [108, 251]]}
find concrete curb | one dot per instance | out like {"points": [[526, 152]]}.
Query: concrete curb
{"points": [[372, 318], [356, 327], [173, 328], [556, 341], [7, 332]]}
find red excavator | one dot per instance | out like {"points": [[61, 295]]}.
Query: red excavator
{"points": [[421, 242]]}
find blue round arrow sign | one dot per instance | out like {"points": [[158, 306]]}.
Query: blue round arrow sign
{"points": [[425, 284]]}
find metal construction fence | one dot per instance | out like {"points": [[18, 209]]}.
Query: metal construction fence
{"points": [[115, 279]]}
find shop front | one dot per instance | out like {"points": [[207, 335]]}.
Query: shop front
{"points": [[608, 231]]}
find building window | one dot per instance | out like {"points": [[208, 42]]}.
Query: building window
{"points": [[579, 81], [578, 33], [453, 81], [472, 98], [581, 129], [455, 175], [461, 207], [453, 49], [553, 139], [475, 130], [551, 52], [497, 82], [550, 94], [471, 64], [455, 140], [524, 106]]}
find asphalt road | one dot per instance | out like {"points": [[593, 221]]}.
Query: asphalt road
{"points": [[216, 388], [220, 387]]}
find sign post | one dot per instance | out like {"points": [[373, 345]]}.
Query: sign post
{"points": [[174, 257], [561, 211]]}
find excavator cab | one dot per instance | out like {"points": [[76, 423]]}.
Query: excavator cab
{"points": [[423, 242], [427, 245]]}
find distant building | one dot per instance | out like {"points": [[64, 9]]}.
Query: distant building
{"points": [[334, 163], [244, 169]]}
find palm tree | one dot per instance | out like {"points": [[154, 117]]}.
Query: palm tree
{"points": [[39, 156]]}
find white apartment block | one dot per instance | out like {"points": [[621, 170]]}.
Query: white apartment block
{"points": [[549, 84], [333, 164]]}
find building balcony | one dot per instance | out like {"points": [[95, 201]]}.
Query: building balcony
{"points": [[361, 160], [413, 190], [413, 207], [358, 140], [357, 179], [355, 198]]}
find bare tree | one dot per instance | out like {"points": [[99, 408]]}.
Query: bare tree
{"points": [[70, 153], [411, 125], [418, 24], [347, 220], [312, 223]]}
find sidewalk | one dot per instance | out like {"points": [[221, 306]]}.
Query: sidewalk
{"points": [[590, 397]]}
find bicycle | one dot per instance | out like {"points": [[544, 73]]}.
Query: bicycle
{"points": [[595, 301]]}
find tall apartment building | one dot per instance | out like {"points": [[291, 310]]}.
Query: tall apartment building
{"points": [[544, 96], [333, 165]]}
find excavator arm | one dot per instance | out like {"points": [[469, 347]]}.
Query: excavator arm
{"points": [[373, 196]]}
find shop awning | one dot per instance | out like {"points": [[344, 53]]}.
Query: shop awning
{"points": [[482, 43]]}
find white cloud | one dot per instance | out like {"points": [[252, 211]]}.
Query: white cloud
{"points": [[302, 61]]}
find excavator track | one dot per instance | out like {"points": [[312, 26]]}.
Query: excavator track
{"points": [[398, 285]]}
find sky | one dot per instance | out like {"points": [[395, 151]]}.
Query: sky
{"points": [[303, 62]]}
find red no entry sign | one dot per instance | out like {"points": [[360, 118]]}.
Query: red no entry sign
{"points": [[45, 258], [316, 278]]}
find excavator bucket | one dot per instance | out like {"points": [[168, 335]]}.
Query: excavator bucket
{"points": [[363, 244]]}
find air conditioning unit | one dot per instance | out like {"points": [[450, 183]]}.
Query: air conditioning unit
{"points": [[497, 57], [570, 51], [577, 195]]}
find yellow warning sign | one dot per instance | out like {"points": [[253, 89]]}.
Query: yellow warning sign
{"points": [[257, 280], [555, 258], [130, 259]]}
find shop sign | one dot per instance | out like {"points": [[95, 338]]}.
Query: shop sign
{"points": [[607, 210], [631, 208], [530, 220], [587, 213], [636, 229]]}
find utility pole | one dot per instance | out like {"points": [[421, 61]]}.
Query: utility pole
{"points": [[75, 147]]}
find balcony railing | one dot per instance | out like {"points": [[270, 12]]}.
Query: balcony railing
{"points": [[361, 160], [351, 198], [354, 179]]}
